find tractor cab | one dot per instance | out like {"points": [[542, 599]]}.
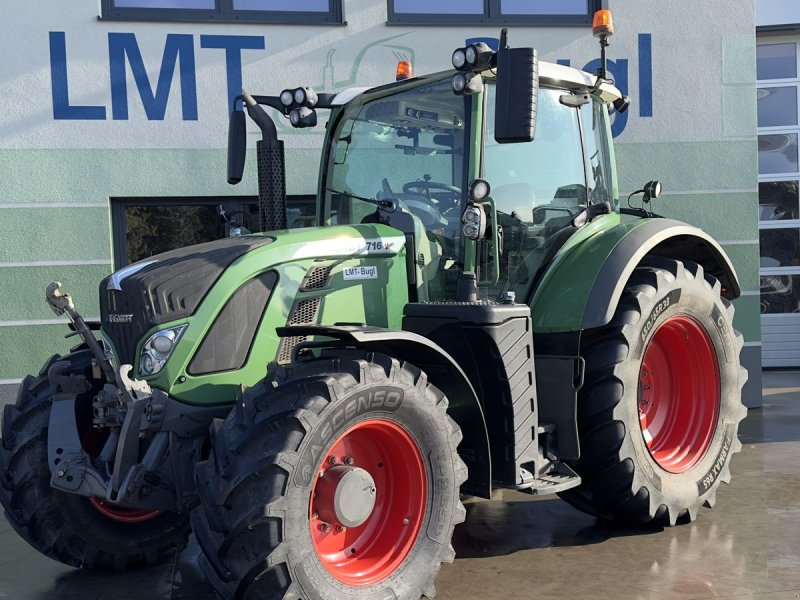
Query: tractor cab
{"points": [[407, 154]]}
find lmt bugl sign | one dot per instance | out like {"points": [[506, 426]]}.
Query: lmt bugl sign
{"points": [[124, 56]]}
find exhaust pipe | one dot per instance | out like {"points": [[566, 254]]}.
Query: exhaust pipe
{"points": [[270, 162]]}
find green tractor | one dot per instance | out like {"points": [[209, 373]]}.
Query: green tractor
{"points": [[472, 312]]}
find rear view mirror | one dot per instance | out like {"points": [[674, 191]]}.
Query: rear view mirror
{"points": [[237, 146], [517, 95]]}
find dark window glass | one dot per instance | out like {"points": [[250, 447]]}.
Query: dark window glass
{"points": [[776, 61], [780, 247], [446, 7], [777, 153], [227, 344], [144, 227], [780, 294], [777, 106], [156, 229], [778, 201]]}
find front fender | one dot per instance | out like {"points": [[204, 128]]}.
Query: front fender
{"points": [[583, 285]]}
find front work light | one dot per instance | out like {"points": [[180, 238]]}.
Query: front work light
{"points": [[287, 98], [459, 58], [465, 83], [157, 349], [479, 190], [305, 97], [478, 56], [302, 117], [475, 57]]}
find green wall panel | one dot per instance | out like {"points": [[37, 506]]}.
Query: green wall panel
{"points": [[713, 213], [745, 260], [96, 175], [25, 348], [685, 166], [27, 285], [747, 319], [56, 233]]}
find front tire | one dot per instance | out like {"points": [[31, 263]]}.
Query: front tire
{"points": [[335, 478], [661, 404], [72, 529]]}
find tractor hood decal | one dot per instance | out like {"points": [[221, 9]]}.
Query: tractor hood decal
{"points": [[348, 246]]}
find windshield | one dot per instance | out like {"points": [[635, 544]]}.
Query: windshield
{"points": [[400, 160]]}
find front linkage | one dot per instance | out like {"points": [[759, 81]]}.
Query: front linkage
{"points": [[140, 447]]}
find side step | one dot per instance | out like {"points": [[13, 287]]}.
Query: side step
{"points": [[559, 477]]}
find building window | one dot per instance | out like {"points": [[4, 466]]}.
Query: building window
{"points": [[304, 12], [143, 227], [778, 199], [508, 12]]}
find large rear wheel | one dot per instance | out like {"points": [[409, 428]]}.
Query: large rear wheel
{"points": [[661, 404], [336, 478], [77, 531]]}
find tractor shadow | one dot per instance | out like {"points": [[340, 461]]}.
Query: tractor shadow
{"points": [[518, 522]]}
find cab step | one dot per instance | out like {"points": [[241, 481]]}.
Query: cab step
{"points": [[557, 478]]}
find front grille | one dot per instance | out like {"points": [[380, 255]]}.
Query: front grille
{"points": [[304, 313]]}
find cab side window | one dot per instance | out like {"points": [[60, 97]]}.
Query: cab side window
{"points": [[538, 186]]}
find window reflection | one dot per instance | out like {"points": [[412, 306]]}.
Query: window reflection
{"points": [[777, 153]]}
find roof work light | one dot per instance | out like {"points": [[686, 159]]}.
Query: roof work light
{"points": [[470, 61]]}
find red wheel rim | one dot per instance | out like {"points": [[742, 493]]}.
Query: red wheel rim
{"points": [[369, 553], [123, 515], [679, 394]]}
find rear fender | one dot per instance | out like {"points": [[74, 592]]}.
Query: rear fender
{"points": [[442, 371], [583, 286]]}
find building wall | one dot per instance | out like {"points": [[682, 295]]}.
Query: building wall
{"points": [[73, 135]]}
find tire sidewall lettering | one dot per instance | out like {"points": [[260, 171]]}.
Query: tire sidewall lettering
{"points": [[386, 400]]}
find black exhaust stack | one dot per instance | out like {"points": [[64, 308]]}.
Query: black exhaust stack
{"points": [[270, 160]]}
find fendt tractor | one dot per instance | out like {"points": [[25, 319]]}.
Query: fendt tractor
{"points": [[473, 311]]}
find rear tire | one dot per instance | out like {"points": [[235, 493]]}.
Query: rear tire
{"points": [[262, 522], [65, 527], [661, 404]]}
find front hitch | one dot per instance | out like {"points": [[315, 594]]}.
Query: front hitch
{"points": [[61, 302]]}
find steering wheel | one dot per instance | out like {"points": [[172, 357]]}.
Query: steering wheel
{"points": [[423, 187], [430, 217]]}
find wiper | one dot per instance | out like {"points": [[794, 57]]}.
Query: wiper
{"points": [[387, 205]]}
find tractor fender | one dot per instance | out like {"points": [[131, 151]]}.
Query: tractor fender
{"points": [[583, 286], [442, 371]]}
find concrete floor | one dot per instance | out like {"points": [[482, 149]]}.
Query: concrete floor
{"points": [[746, 547]]}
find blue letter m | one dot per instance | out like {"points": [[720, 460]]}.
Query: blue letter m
{"points": [[155, 104]]}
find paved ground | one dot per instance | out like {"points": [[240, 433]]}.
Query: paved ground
{"points": [[748, 547]]}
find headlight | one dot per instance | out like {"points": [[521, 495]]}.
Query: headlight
{"points": [[157, 350], [459, 58]]}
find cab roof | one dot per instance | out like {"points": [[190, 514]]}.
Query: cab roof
{"points": [[550, 74]]}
